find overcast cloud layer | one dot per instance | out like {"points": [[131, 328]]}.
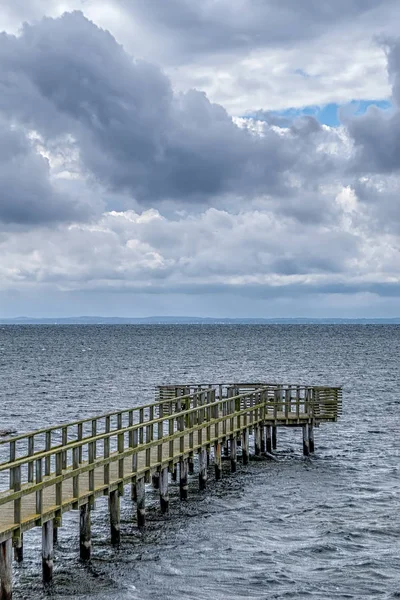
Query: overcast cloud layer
{"points": [[144, 168]]}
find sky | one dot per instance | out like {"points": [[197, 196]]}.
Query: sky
{"points": [[218, 158]]}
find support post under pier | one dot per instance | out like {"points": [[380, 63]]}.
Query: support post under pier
{"points": [[306, 441], [183, 479], [164, 496], [6, 570], [269, 439], [274, 437], [141, 502], [85, 537], [233, 445], [115, 518], [217, 461], [311, 438], [245, 446], [202, 469], [47, 552]]}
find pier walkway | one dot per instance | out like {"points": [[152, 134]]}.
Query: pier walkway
{"points": [[45, 473]]}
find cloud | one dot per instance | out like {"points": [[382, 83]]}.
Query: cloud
{"points": [[67, 77], [28, 196], [154, 190]]}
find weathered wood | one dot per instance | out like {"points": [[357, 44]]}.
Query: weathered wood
{"points": [[191, 464], [141, 502], [47, 552], [115, 522], [257, 442], [262, 437], [311, 438], [55, 533], [85, 536], [164, 495], [18, 549], [245, 447], [306, 441], [183, 479], [62, 478], [202, 469], [217, 461], [274, 437], [268, 439], [233, 446], [174, 473], [6, 570], [155, 480]]}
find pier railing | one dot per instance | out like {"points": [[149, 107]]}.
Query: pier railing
{"points": [[47, 472]]}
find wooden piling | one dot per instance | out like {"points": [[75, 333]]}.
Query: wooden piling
{"points": [[269, 439], [114, 507], [174, 473], [164, 496], [55, 534], [18, 549], [217, 461], [274, 437], [262, 438], [233, 454], [183, 479], [155, 480], [141, 502], [311, 438], [191, 464], [133, 491], [257, 444], [202, 469], [47, 551], [6, 570], [85, 537], [245, 446], [306, 441]]}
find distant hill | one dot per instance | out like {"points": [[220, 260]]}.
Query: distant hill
{"points": [[191, 321]]}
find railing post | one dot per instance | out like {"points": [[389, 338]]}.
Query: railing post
{"points": [[31, 449], [106, 451], [135, 437], [75, 479], [59, 495]]}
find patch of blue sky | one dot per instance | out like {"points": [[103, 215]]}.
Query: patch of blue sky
{"points": [[328, 114]]}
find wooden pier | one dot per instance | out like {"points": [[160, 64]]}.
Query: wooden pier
{"points": [[45, 473]]}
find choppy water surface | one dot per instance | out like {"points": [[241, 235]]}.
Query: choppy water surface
{"points": [[322, 528]]}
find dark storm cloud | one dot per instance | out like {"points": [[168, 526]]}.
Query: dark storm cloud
{"points": [[26, 194], [67, 76]]}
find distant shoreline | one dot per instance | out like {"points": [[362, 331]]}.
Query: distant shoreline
{"points": [[192, 321]]}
